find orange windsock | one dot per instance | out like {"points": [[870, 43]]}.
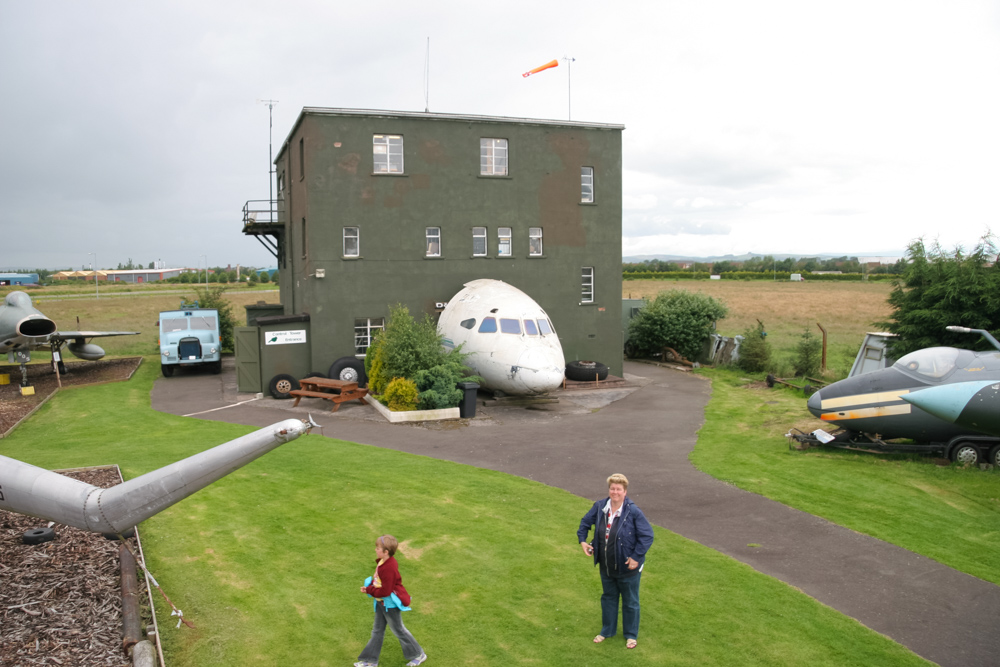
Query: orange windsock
{"points": [[554, 63]]}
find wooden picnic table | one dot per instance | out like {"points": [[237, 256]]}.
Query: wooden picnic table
{"points": [[336, 391]]}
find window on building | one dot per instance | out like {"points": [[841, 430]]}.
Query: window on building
{"points": [[493, 157], [352, 242], [535, 241], [281, 183], [489, 325], [433, 235], [305, 248], [302, 157], [587, 185], [387, 152], [503, 241], [478, 241], [364, 329], [587, 291]]}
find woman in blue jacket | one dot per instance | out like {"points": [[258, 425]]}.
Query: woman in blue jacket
{"points": [[622, 536]]}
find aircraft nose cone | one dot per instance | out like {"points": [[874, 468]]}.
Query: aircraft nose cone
{"points": [[540, 370]]}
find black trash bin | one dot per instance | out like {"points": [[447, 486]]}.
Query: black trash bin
{"points": [[467, 408]]}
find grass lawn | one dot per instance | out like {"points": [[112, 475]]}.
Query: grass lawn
{"points": [[950, 514], [267, 562]]}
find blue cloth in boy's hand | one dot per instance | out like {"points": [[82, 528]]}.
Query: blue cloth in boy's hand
{"points": [[391, 602]]}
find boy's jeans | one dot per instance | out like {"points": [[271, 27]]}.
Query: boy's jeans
{"points": [[394, 619]]}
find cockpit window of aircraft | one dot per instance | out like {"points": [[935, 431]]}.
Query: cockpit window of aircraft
{"points": [[469, 323], [530, 328], [489, 325], [510, 326], [180, 324], [543, 325], [932, 362], [204, 323]]}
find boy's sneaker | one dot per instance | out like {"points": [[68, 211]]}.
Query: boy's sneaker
{"points": [[416, 661], [362, 663]]}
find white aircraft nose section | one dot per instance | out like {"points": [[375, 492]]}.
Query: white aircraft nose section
{"points": [[540, 370]]}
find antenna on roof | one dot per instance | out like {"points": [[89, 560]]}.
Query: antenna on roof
{"points": [[270, 158], [569, 86], [427, 78]]}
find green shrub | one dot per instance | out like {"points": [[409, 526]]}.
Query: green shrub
{"points": [[755, 351], [401, 395], [437, 385], [678, 319], [406, 346], [808, 355]]}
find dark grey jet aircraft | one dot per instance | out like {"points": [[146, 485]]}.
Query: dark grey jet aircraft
{"points": [[944, 399], [23, 329]]}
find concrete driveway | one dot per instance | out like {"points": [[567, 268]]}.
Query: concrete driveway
{"points": [[648, 429]]}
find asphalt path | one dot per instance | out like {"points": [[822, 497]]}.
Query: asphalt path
{"points": [[647, 431]]}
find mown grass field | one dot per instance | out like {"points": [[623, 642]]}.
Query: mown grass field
{"points": [[267, 561], [847, 310]]}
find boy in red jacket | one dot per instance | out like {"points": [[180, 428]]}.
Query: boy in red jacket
{"points": [[391, 599]]}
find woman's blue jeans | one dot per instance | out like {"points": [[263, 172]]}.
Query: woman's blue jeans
{"points": [[628, 589]]}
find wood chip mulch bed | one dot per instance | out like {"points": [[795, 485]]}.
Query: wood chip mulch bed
{"points": [[14, 407], [60, 601]]}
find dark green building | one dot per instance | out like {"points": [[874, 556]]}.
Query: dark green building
{"points": [[375, 208]]}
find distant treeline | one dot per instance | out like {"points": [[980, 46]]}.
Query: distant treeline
{"points": [[751, 275], [761, 265]]}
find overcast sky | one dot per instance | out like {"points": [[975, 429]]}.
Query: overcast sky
{"points": [[133, 130]]}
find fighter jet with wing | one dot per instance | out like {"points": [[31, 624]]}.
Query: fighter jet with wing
{"points": [[941, 399], [23, 328]]}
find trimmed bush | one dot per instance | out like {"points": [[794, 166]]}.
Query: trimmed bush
{"points": [[678, 319], [401, 395], [808, 355]]}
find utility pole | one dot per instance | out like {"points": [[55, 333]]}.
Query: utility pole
{"points": [[270, 155], [93, 265]]}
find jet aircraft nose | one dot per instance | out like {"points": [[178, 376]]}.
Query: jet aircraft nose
{"points": [[815, 401], [540, 370], [35, 326]]}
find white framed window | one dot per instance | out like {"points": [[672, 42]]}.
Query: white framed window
{"points": [[587, 285], [503, 241], [387, 154], [433, 235], [493, 157], [352, 242], [478, 241], [587, 185], [535, 241], [364, 329]]}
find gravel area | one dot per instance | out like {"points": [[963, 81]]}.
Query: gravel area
{"points": [[14, 407], [60, 601]]}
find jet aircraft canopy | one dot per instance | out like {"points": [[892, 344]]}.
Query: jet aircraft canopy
{"points": [[933, 363]]}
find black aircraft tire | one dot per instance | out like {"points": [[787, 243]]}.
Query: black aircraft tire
{"points": [[966, 454], [585, 371], [166, 370], [349, 369], [38, 536], [995, 456], [281, 384]]}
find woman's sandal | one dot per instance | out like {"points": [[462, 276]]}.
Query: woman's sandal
{"points": [[598, 639], [631, 643]]}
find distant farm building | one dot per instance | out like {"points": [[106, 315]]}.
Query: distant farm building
{"points": [[124, 276]]}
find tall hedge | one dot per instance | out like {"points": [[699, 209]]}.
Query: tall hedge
{"points": [[678, 319]]}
